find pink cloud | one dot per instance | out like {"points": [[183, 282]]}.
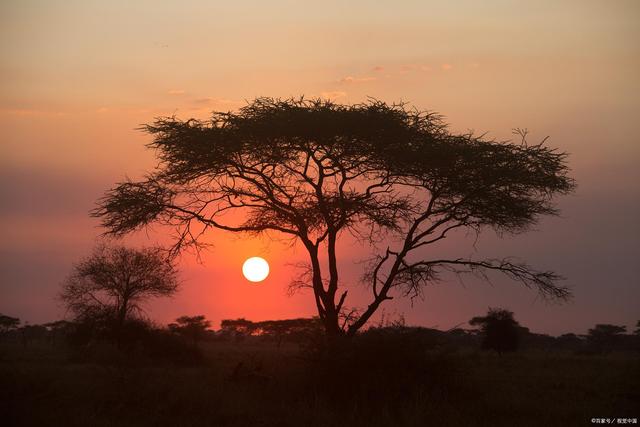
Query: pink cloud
{"points": [[404, 69], [378, 68], [446, 67], [210, 100], [333, 94], [351, 79]]}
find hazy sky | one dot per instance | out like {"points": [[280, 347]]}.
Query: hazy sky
{"points": [[78, 78]]}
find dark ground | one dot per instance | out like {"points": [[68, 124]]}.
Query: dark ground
{"points": [[254, 383]]}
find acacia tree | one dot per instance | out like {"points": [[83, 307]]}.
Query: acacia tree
{"points": [[312, 170], [114, 281], [192, 327]]}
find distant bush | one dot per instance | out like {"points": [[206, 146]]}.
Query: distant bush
{"points": [[298, 330], [192, 328], [500, 331], [135, 341], [8, 323], [604, 338]]}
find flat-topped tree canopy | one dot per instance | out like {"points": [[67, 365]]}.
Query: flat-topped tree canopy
{"points": [[313, 168]]}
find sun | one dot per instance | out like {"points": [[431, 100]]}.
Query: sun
{"points": [[255, 269]]}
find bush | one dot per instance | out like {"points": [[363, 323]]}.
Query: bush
{"points": [[500, 331], [136, 342]]}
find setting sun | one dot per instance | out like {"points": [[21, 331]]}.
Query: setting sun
{"points": [[255, 269]]}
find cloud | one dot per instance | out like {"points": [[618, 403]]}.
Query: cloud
{"points": [[176, 92], [404, 69], [333, 94], [351, 79], [446, 67], [203, 106], [208, 100], [378, 68]]}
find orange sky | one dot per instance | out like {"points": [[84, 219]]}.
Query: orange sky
{"points": [[79, 76]]}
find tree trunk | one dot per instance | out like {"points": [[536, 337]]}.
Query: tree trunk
{"points": [[332, 325], [328, 312]]}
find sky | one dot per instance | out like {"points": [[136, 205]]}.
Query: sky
{"points": [[77, 79]]}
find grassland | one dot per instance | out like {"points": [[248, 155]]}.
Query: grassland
{"points": [[259, 384]]}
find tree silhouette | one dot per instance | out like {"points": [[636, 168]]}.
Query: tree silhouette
{"points": [[8, 323], [570, 341], [193, 328], [112, 283], [237, 328], [605, 337], [500, 331], [313, 170], [293, 329]]}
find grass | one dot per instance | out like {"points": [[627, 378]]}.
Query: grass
{"points": [[41, 386]]}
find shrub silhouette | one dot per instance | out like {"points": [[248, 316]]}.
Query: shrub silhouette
{"points": [[193, 328], [604, 337], [8, 323], [500, 331]]}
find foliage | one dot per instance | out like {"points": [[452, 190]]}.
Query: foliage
{"points": [[295, 330], [109, 287], [8, 323], [312, 170], [500, 331], [569, 341], [236, 328], [194, 328], [106, 291], [604, 337]]}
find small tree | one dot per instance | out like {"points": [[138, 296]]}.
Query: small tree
{"points": [[604, 338], [114, 281], [570, 342], [500, 331], [236, 328], [8, 323], [294, 329], [59, 329], [194, 328], [314, 171]]}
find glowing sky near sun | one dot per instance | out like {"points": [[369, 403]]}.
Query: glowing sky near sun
{"points": [[78, 78]]}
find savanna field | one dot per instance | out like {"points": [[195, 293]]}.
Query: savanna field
{"points": [[384, 378], [256, 214]]}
